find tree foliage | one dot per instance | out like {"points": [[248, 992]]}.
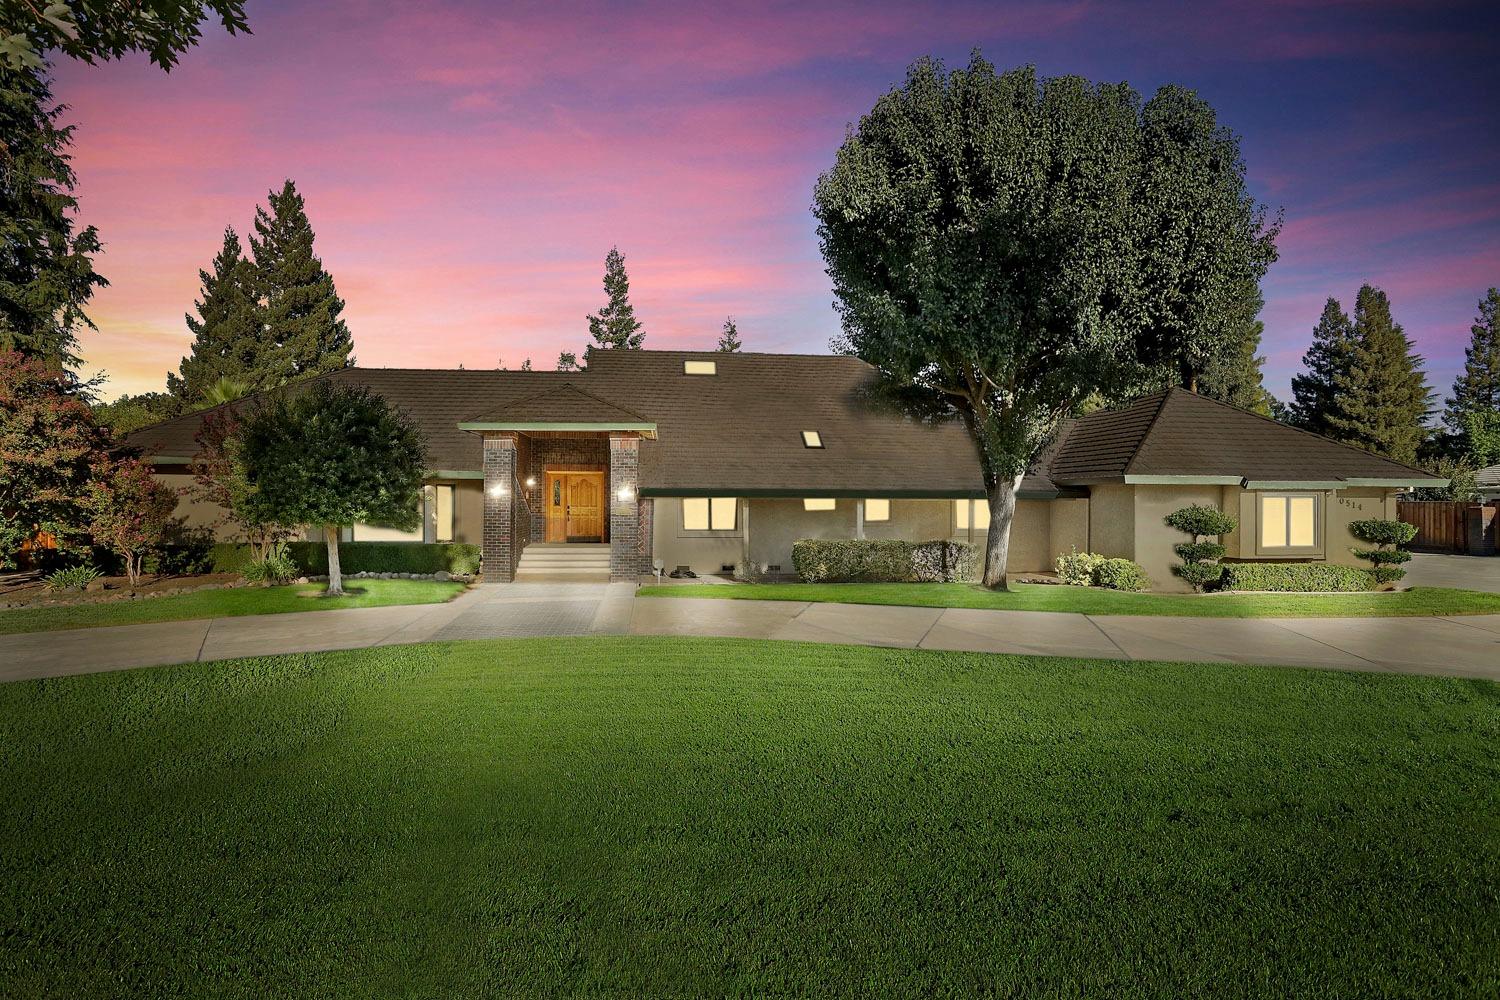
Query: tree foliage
{"points": [[228, 339], [221, 478], [1325, 362], [1235, 375], [46, 263], [615, 326], [131, 413], [729, 339], [333, 456], [129, 510], [1003, 248], [300, 308], [92, 30], [49, 441], [1477, 388], [567, 361], [1381, 399]]}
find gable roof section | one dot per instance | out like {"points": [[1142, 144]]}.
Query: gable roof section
{"points": [[1180, 436], [564, 406]]}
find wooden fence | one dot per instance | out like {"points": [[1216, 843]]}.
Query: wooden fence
{"points": [[1442, 525]]}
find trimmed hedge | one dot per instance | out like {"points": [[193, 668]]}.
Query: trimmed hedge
{"points": [[1297, 577], [358, 557], [882, 560], [1120, 574]]}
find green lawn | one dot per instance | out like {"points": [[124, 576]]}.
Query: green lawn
{"points": [[227, 603], [685, 817], [1092, 601]]}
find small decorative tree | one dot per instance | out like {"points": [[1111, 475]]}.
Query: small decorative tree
{"points": [[1200, 559], [1387, 555], [129, 511], [334, 456]]}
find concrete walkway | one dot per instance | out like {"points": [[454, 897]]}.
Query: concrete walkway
{"points": [[1467, 646]]}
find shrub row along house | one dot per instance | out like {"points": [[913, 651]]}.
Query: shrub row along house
{"points": [[709, 460]]}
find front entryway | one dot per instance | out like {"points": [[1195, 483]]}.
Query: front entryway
{"points": [[575, 561], [575, 506]]}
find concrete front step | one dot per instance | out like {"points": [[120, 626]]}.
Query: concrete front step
{"points": [[591, 574]]}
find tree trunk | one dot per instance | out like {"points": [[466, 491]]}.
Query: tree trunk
{"points": [[335, 578], [997, 543]]}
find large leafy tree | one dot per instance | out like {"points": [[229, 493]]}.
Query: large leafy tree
{"points": [[228, 341], [1381, 400], [91, 30], [1005, 249], [1477, 388], [333, 456], [131, 413], [300, 307], [1325, 362], [615, 325], [221, 479], [46, 262], [49, 442], [1234, 376]]}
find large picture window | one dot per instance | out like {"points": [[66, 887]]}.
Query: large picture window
{"points": [[981, 514], [709, 513], [1289, 520]]}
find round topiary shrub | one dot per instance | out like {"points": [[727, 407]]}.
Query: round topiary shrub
{"points": [[1200, 519], [1200, 559], [1387, 537]]}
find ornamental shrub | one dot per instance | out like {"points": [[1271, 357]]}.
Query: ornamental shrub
{"points": [[72, 578], [311, 558], [1387, 537], [1200, 560], [277, 566], [871, 560], [1302, 577], [1076, 569], [944, 561], [1120, 574]]}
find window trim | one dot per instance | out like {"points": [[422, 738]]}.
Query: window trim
{"points": [[961, 523], [812, 439], [1316, 548], [710, 531]]}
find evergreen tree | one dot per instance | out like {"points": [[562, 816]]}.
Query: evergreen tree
{"points": [[1325, 361], [615, 326], [300, 308], [1234, 376], [131, 413], [567, 361], [729, 340], [228, 341], [526, 365], [1381, 400], [1477, 390], [46, 268]]}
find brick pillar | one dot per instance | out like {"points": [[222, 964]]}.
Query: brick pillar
{"points": [[499, 507], [624, 507]]}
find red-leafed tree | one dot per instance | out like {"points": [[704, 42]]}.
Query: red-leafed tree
{"points": [[129, 510], [48, 444]]}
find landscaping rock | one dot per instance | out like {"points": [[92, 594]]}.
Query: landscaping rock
{"points": [[441, 576], [94, 586]]}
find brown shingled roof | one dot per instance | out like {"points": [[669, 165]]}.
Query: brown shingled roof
{"points": [[565, 403], [1180, 433]]}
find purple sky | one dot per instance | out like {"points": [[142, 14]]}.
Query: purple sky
{"points": [[466, 166]]}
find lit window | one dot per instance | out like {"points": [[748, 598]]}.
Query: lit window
{"points": [[1288, 521], [877, 510], [981, 514], [700, 368], [812, 439], [819, 504], [709, 513], [443, 513]]}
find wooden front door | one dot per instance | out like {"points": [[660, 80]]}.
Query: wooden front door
{"points": [[575, 506]]}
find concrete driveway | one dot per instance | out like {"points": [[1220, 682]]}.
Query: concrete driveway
{"points": [[1467, 646], [1427, 569]]}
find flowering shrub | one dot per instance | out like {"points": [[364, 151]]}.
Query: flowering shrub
{"points": [[1076, 569], [129, 511]]}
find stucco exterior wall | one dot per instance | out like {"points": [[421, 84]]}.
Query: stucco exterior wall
{"points": [[1069, 529], [702, 552], [1154, 540], [195, 513], [1337, 509], [1112, 520]]}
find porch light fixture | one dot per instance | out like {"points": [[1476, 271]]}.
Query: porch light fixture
{"points": [[498, 490], [625, 494], [812, 439], [530, 482]]}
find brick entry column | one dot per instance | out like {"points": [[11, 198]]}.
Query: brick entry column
{"points": [[624, 507], [499, 505]]}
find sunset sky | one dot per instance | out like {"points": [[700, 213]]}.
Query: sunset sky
{"points": [[467, 166]]}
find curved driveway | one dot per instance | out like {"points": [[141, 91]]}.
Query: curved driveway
{"points": [[1467, 646]]}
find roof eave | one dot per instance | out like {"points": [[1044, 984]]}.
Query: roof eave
{"points": [[644, 429], [1143, 480]]}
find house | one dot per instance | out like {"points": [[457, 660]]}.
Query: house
{"points": [[706, 460], [1487, 482]]}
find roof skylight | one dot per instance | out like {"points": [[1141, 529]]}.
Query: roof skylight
{"points": [[700, 368], [812, 439]]}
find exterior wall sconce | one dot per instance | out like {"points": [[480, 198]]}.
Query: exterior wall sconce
{"points": [[625, 494], [530, 482], [498, 490]]}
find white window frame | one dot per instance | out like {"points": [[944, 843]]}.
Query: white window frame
{"points": [[713, 509], [1287, 496]]}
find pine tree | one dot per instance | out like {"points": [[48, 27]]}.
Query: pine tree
{"points": [[228, 341], [300, 308], [729, 340], [526, 365], [567, 361], [615, 326], [1381, 400], [1325, 361], [46, 268], [1234, 377], [1477, 390]]}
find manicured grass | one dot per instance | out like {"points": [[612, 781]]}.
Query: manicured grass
{"points": [[1093, 601], [227, 603], [692, 817]]}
